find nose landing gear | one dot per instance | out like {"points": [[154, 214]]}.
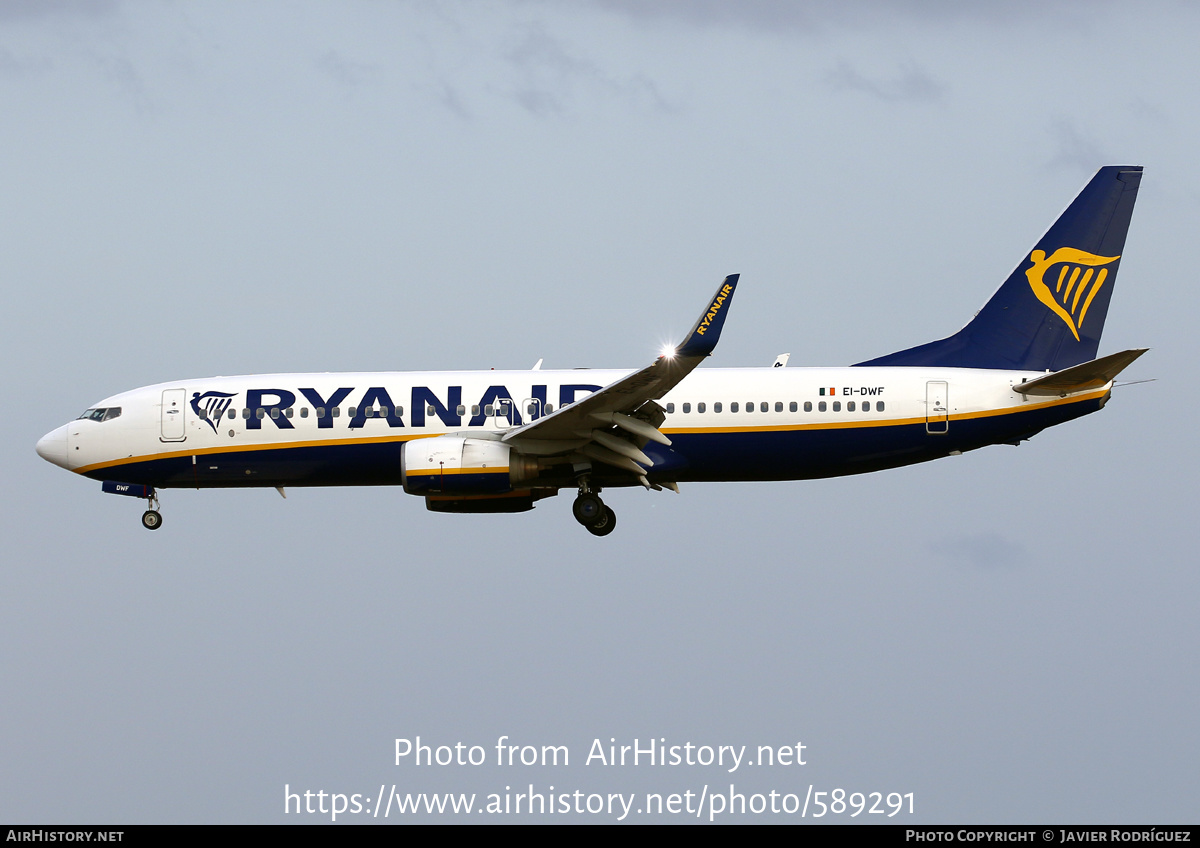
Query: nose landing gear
{"points": [[152, 518]]}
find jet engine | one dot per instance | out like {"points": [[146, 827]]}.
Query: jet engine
{"points": [[453, 465]]}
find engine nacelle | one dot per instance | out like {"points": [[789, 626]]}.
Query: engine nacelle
{"points": [[453, 465]]}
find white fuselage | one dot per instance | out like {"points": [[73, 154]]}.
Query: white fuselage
{"points": [[274, 429]]}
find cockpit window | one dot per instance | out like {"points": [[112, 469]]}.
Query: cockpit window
{"points": [[102, 414]]}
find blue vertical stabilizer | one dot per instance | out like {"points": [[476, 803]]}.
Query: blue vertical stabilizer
{"points": [[1050, 311]]}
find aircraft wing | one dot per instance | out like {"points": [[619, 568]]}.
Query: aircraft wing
{"points": [[587, 424]]}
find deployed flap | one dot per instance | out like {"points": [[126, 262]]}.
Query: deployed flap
{"points": [[1089, 375], [577, 420]]}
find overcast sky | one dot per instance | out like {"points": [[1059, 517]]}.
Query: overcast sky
{"points": [[189, 189]]}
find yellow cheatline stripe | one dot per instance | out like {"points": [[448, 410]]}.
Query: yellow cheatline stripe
{"points": [[242, 448], [438, 472], [832, 425], [781, 428]]}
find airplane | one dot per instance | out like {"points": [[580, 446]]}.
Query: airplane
{"points": [[497, 441]]}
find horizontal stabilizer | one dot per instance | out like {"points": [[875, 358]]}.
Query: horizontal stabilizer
{"points": [[1078, 378]]}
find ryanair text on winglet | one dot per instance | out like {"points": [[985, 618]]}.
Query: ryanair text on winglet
{"points": [[714, 309]]}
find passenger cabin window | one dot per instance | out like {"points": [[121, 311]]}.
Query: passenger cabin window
{"points": [[717, 406], [733, 407], [232, 414], [779, 406], [792, 407], [670, 408], [320, 412], [808, 406], [461, 410], [850, 406], [549, 408], [700, 407], [764, 407], [687, 407], [750, 406], [821, 406], [879, 406], [336, 412], [304, 412], [837, 406]]}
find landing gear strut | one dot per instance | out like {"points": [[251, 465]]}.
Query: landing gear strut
{"points": [[152, 518], [591, 512]]}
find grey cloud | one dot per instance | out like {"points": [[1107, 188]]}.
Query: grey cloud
{"points": [[756, 14], [13, 11], [449, 97], [1075, 150], [121, 71], [12, 67], [344, 71], [538, 50], [911, 84], [815, 15], [551, 75], [538, 102]]}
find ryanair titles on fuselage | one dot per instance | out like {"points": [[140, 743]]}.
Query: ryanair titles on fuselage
{"points": [[271, 404]]}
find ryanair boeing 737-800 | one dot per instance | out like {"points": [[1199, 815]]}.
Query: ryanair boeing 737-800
{"points": [[494, 441]]}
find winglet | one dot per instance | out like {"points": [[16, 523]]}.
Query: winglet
{"points": [[703, 338]]}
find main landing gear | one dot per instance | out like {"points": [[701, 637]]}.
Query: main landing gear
{"points": [[591, 512], [152, 518]]}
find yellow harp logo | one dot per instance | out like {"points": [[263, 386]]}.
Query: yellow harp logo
{"points": [[1078, 282]]}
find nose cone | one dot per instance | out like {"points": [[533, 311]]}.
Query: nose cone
{"points": [[52, 447]]}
